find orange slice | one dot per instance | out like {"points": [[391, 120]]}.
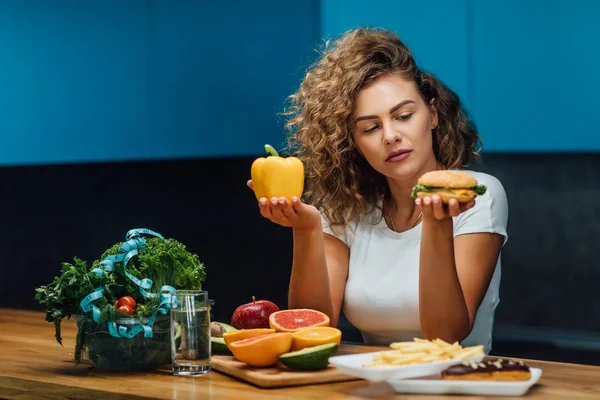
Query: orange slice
{"points": [[296, 319], [242, 334], [316, 336], [262, 351]]}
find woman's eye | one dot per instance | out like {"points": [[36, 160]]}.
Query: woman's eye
{"points": [[372, 129], [404, 117]]}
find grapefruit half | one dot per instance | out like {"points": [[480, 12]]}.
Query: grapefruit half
{"points": [[262, 351], [315, 336], [242, 334], [296, 319]]}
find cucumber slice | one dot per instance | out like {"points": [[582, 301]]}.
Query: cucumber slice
{"points": [[310, 358]]}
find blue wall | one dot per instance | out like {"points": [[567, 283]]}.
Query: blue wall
{"points": [[116, 79], [132, 79], [536, 74], [418, 26], [528, 71]]}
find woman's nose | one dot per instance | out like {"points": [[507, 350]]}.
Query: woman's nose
{"points": [[390, 134]]}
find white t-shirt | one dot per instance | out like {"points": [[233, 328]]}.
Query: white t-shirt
{"points": [[382, 291]]}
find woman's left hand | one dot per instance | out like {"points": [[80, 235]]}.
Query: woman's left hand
{"points": [[433, 208]]}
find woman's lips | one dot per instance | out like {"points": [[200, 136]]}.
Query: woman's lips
{"points": [[399, 157]]}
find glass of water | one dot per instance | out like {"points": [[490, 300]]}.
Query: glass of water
{"points": [[190, 332]]}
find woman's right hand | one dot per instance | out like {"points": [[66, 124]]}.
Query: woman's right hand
{"points": [[296, 215]]}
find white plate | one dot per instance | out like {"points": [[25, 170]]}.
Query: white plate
{"points": [[435, 385], [353, 365]]}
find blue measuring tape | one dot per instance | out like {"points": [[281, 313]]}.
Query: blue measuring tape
{"points": [[130, 248]]}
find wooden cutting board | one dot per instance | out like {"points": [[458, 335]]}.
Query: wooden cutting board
{"points": [[279, 376]]}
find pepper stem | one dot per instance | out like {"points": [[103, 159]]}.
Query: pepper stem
{"points": [[271, 150], [253, 300]]}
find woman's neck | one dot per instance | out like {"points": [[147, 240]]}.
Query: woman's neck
{"points": [[400, 211]]}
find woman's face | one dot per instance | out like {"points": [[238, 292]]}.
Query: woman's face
{"points": [[392, 128]]}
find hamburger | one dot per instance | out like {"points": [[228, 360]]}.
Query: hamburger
{"points": [[458, 185]]}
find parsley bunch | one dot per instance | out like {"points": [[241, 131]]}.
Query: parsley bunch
{"points": [[63, 294]]}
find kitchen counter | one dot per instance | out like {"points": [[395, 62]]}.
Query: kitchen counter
{"points": [[34, 365]]}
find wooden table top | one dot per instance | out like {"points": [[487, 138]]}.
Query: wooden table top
{"points": [[34, 365]]}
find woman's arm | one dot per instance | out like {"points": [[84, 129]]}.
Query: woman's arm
{"points": [[319, 272], [320, 261], [320, 264], [454, 274]]}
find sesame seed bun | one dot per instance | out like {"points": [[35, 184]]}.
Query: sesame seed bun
{"points": [[448, 179]]}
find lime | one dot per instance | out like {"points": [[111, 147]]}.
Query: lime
{"points": [[310, 358]]}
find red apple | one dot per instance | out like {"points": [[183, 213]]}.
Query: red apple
{"points": [[253, 315]]}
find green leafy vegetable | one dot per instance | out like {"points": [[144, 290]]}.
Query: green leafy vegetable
{"points": [[164, 261], [480, 189], [63, 294], [421, 188]]}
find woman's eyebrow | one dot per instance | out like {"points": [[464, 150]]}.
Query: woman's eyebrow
{"points": [[397, 106], [401, 104]]}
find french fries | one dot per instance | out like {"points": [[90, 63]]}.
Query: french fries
{"points": [[422, 351]]}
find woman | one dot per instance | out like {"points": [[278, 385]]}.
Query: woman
{"points": [[367, 123]]}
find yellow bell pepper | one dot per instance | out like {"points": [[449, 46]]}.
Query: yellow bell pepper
{"points": [[275, 176]]}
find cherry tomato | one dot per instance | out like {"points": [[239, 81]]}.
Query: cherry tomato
{"points": [[126, 309], [116, 303], [127, 301]]}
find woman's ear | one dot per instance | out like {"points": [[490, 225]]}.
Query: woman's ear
{"points": [[434, 113]]}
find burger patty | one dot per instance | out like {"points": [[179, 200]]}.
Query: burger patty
{"points": [[475, 190]]}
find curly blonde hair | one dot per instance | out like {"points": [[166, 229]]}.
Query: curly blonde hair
{"points": [[340, 182]]}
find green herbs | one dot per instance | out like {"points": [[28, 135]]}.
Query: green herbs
{"points": [[164, 261], [63, 294]]}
